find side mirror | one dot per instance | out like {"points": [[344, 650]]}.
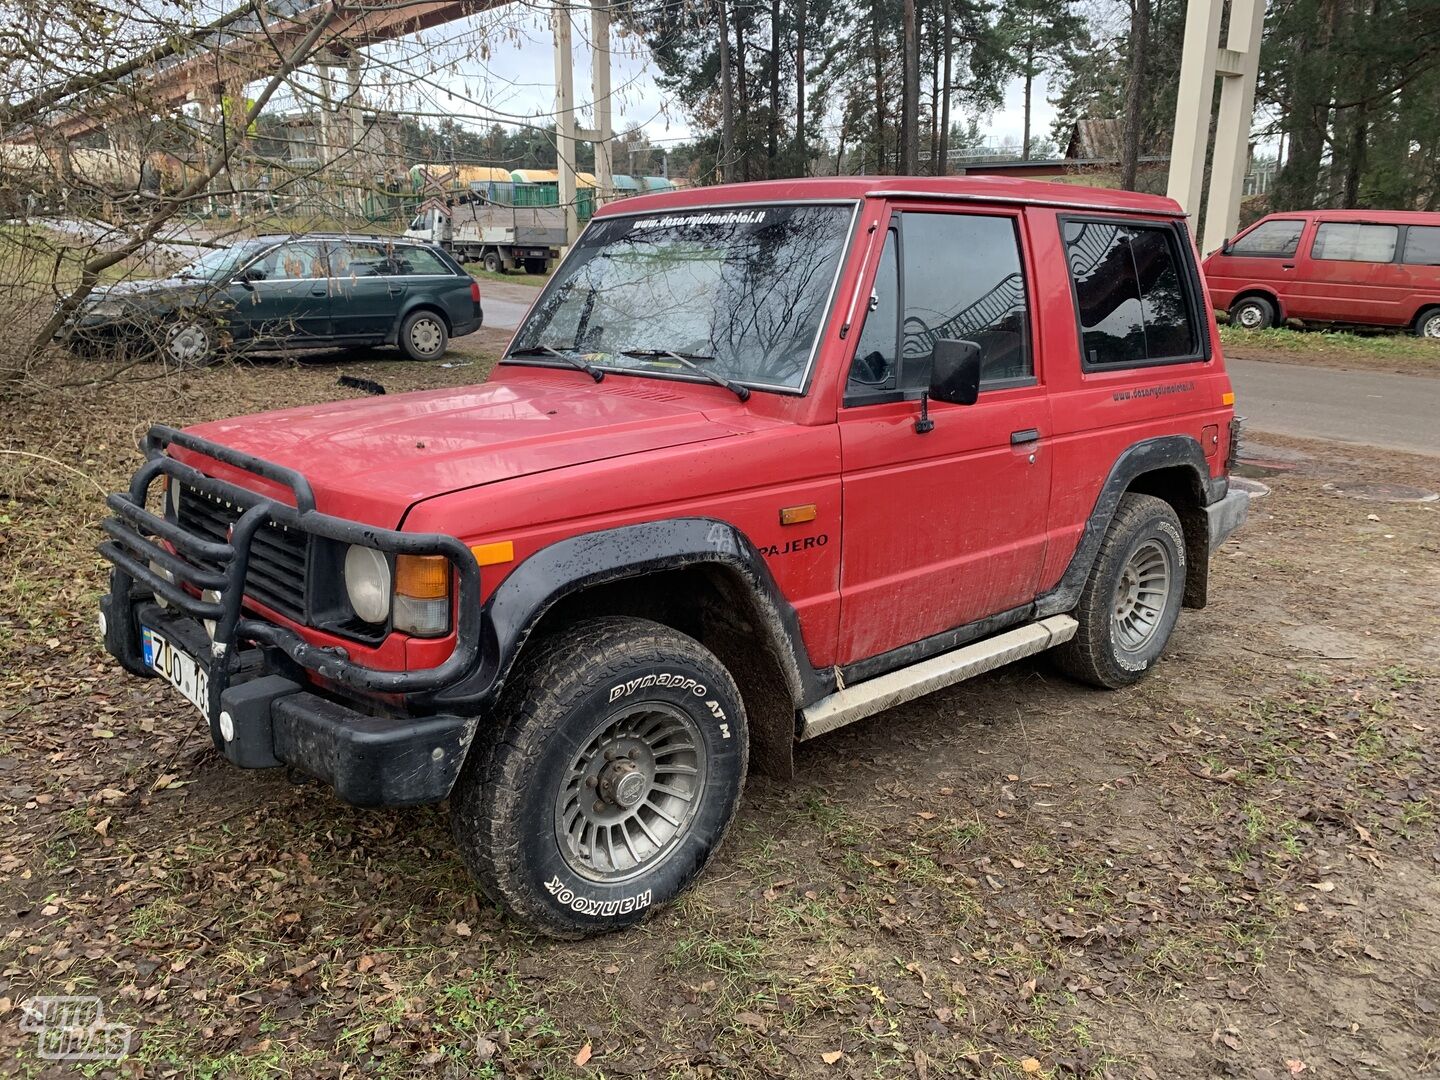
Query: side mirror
{"points": [[955, 372], [244, 281]]}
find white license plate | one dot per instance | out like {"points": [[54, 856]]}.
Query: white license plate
{"points": [[179, 667]]}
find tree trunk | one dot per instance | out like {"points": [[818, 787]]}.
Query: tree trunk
{"points": [[1134, 93], [910, 96], [802, 156], [727, 100], [879, 60], [934, 87], [943, 162], [1307, 117], [742, 148], [772, 167], [1029, 88]]}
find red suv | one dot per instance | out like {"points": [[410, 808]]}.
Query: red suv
{"points": [[1349, 267], [762, 460]]}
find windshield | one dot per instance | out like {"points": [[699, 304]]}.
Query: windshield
{"points": [[741, 291], [221, 263]]}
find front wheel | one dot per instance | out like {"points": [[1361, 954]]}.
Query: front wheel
{"points": [[423, 336], [1427, 324], [608, 780], [1132, 598], [1252, 313], [189, 342]]}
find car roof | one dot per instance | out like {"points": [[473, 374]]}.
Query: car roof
{"points": [[1378, 217], [275, 238], [983, 189]]}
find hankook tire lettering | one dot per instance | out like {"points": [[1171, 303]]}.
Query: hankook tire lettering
{"points": [[586, 905]]}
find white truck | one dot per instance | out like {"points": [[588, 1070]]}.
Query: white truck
{"points": [[498, 237]]}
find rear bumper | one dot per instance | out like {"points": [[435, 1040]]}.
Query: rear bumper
{"points": [[1225, 516], [261, 717]]}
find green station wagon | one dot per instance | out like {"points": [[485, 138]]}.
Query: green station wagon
{"points": [[280, 293]]}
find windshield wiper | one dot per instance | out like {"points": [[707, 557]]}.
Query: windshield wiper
{"points": [[742, 392], [574, 361]]}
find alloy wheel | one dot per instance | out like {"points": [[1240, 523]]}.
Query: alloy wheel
{"points": [[1141, 596]]}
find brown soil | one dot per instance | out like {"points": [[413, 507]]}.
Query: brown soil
{"points": [[1232, 869]]}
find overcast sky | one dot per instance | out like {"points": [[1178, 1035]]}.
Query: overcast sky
{"points": [[510, 78]]}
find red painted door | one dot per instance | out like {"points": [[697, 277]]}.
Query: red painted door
{"points": [[945, 527], [1347, 273]]}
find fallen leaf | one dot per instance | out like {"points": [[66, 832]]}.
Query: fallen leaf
{"points": [[832, 1056], [752, 1020], [485, 1049], [462, 929], [1322, 886], [103, 825], [583, 1056], [1030, 1065], [1295, 1065]]}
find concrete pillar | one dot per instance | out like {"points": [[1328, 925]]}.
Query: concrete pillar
{"points": [[1241, 68], [1238, 63], [600, 86], [360, 167], [565, 117], [1192, 104]]}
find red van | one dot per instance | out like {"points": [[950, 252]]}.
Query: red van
{"points": [[1356, 267]]}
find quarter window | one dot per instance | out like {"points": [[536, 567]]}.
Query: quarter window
{"points": [[1346, 241], [1422, 245], [960, 277], [1272, 238], [1131, 290]]}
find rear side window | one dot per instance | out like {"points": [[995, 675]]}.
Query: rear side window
{"points": [[1346, 241], [1422, 245], [1132, 293], [419, 260], [1270, 238]]}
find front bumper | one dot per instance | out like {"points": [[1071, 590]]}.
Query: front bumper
{"points": [[262, 707]]}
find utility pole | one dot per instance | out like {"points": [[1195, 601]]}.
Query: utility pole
{"points": [[565, 118]]}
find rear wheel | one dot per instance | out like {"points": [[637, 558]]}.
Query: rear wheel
{"points": [[1253, 313], [607, 782], [1132, 598], [493, 263], [535, 266], [423, 335], [1427, 324]]}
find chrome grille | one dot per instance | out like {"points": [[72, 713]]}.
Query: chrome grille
{"points": [[278, 556]]}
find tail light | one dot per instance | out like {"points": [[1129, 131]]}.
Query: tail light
{"points": [[474, 290], [1232, 456]]}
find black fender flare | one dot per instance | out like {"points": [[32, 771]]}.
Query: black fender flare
{"points": [[1163, 452], [630, 552]]}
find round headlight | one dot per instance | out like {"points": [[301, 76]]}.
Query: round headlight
{"points": [[367, 583]]}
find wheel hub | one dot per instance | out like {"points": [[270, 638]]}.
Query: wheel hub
{"points": [[623, 784], [631, 793], [1141, 596]]}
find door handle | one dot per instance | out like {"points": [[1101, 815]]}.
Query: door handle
{"points": [[1287, 266], [320, 292], [395, 290], [1020, 438]]}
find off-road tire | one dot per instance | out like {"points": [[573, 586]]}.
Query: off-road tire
{"points": [[1096, 654], [1427, 323], [1253, 313], [430, 345], [565, 693]]}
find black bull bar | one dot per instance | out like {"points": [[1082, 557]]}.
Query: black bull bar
{"points": [[135, 541]]}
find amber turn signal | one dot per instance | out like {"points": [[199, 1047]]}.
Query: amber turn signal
{"points": [[797, 515], [1227, 398], [502, 551], [423, 577]]}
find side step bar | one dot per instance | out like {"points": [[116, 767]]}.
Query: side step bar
{"points": [[878, 694]]}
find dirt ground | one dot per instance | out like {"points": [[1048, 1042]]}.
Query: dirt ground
{"points": [[1231, 870]]}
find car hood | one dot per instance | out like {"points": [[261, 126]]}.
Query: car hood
{"points": [[147, 288], [372, 459]]}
